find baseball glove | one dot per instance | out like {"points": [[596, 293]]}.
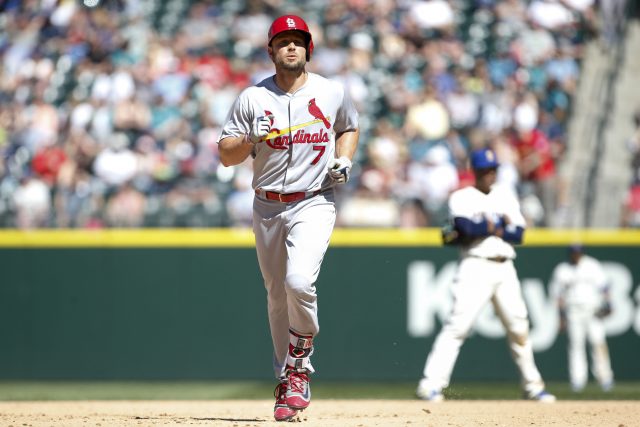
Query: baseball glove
{"points": [[450, 235]]}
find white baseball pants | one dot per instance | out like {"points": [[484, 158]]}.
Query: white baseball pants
{"points": [[582, 324], [479, 281], [291, 240]]}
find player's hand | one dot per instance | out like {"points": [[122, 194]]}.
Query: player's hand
{"points": [[562, 327], [563, 321], [604, 310], [260, 128], [339, 169]]}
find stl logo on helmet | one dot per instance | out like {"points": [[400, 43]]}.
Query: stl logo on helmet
{"points": [[291, 23]]}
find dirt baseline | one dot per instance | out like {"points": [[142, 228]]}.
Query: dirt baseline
{"points": [[321, 413]]}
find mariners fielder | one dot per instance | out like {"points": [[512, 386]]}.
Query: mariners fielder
{"points": [[486, 222], [582, 292], [302, 131]]}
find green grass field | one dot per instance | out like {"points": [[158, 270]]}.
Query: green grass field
{"points": [[219, 390]]}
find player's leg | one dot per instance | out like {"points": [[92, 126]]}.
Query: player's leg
{"points": [[269, 233], [510, 307], [310, 224], [471, 291], [577, 323], [600, 353]]}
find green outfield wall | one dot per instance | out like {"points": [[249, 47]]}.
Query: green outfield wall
{"points": [[189, 304]]}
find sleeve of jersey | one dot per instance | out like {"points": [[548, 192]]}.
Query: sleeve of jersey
{"points": [[513, 234], [459, 211], [239, 118], [514, 231], [347, 115]]}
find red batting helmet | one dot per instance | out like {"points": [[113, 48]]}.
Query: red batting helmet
{"points": [[291, 23]]}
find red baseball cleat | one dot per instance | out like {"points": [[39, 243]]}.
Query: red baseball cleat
{"points": [[282, 412], [298, 390]]}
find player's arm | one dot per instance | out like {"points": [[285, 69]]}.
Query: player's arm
{"points": [[460, 214], [347, 143], [508, 231], [470, 228], [234, 150], [346, 140], [602, 282], [485, 227], [557, 290], [242, 131], [512, 224]]}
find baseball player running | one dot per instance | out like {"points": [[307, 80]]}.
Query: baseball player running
{"points": [[582, 292], [486, 222], [302, 131]]}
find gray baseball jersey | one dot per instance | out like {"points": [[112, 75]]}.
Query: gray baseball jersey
{"points": [[295, 155]]}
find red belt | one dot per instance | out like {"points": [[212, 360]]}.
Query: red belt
{"points": [[288, 197]]}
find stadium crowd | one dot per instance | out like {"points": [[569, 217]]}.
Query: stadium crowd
{"points": [[109, 115]]}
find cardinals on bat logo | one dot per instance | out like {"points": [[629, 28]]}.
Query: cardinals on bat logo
{"points": [[315, 111], [280, 139]]}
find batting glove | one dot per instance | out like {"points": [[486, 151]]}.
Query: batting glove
{"points": [[261, 128], [339, 169]]}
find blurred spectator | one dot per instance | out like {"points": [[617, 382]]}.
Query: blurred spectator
{"points": [[550, 14], [32, 200], [631, 204], [431, 13], [47, 162], [508, 174], [633, 145], [631, 208], [370, 205], [240, 201], [613, 15], [463, 105], [535, 157], [427, 123], [125, 208], [41, 124], [330, 58], [432, 180], [533, 45], [116, 164], [413, 215]]}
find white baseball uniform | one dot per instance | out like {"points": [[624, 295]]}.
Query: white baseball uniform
{"points": [[294, 210], [485, 273], [581, 287]]}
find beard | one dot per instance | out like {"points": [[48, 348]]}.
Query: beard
{"points": [[296, 67]]}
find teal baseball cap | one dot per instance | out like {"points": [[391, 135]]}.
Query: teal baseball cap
{"points": [[484, 158]]}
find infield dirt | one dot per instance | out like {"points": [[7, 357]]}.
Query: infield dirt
{"points": [[321, 413]]}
